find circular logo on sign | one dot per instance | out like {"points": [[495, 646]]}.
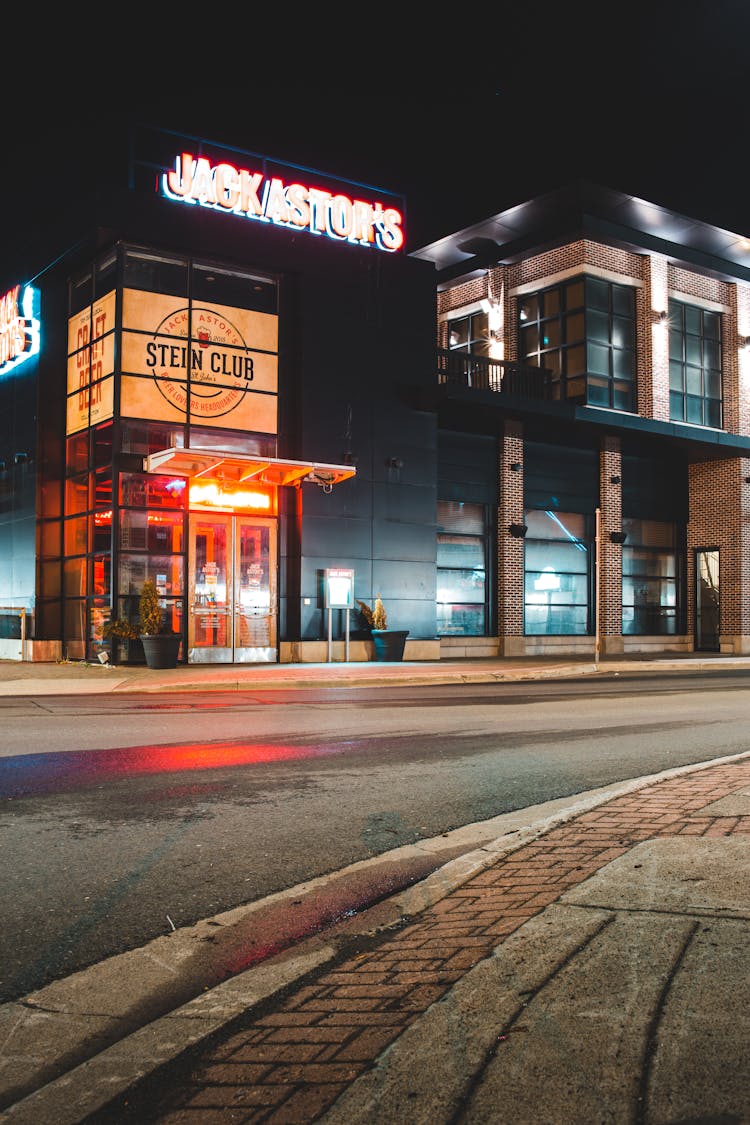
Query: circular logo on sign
{"points": [[216, 363]]}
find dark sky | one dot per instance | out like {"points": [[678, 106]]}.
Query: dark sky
{"points": [[464, 118]]}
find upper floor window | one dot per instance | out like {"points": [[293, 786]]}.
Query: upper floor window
{"points": [[470, 333], [694, 365], [583, 332]]}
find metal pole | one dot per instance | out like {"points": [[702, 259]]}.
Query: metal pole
{"points": [[597, 591], [346, 644], [330, 614]]}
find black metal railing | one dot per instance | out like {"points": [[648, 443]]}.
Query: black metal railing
{"points": [[462, 369]]}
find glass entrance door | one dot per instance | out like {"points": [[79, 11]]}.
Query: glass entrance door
{"points": [[232, 589], [707, 601]]}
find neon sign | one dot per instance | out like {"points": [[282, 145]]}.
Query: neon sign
{"points": [[19, 330], [295, 206]]}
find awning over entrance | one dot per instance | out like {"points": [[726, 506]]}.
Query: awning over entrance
{"points": [[208, 464]]}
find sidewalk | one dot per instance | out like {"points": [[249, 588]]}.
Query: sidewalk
{"points": [[17, 678], [590, 965]]}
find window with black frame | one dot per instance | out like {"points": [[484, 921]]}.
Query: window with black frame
{"points": [[695, 393], [556, 573], [583, 332], [461, 569], [649, 578], [470, 333]]}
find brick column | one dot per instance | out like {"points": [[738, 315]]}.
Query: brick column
{"points": [[653, 390], [510, 549], [610, 556]]}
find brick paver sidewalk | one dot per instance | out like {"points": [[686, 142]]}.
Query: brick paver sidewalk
{"points": [[288, 1063]]}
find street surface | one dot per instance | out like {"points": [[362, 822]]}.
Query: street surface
{"points": [[124, 818]]}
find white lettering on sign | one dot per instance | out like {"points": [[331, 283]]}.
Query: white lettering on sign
{"points": [[19, 328], [295, 206]]}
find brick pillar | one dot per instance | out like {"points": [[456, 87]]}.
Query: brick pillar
{"points": [[720, 518], [510, 549], [738, 352], [610, 554], [653, 390]]}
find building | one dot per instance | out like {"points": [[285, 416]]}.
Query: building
{"points": [[226, 374], [209, 365], [593, 430]]}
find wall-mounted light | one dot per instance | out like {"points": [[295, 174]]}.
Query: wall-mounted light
{"points": [[744, 343], [747, 480], [615, 480], [617, 537], [518, 530], [663, 316], [515, 467], [395, 463]]}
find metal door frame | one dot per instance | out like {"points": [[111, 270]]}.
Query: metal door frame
{"points": [[232, 652]]}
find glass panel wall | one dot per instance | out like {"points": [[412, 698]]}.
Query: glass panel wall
{"points": [[557, 574], [461, 569], [649, 578]]}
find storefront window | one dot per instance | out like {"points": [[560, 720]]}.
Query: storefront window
{"points": [[151, 531], [461, 569], [144, 490], [556, 574], [167, 572], [649, 578]]}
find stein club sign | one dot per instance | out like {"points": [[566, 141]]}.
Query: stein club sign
{"points": [[295, 206]]}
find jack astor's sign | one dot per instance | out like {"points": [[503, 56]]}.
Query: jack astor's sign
{"points": [[293, 205], [19, 328]]}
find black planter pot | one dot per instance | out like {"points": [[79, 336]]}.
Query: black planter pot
{"points": [[389, 643], [161, 649]]}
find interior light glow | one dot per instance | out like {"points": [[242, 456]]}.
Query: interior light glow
{"points": [[212, 495]]}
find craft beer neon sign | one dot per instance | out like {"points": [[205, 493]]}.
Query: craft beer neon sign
{"points": [[19, 328], [294, 206]]}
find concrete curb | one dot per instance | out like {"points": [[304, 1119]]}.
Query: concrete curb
{"points": [[93, 1082]]}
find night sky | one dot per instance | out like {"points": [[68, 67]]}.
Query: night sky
{"points": [[464, 120]]}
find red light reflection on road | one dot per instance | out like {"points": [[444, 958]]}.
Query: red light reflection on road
{"points": [[28, 774]]}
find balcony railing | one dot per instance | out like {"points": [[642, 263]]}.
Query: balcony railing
{"points": [[461, 369]]}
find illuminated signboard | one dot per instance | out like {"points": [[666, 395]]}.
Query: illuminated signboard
{"points": [[210, 494], [19, 327], [295, 206]]}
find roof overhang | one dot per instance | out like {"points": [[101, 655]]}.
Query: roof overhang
{"points": [[209, 464]]}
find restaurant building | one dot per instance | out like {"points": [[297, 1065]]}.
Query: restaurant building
{"points": [[593, 406], [208, 379], [226, 374]]}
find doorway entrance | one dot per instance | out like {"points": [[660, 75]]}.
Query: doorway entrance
{"points": [[232, 615], [707, 600]]}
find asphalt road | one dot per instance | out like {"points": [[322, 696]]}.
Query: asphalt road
{"points": [[122, 817]]}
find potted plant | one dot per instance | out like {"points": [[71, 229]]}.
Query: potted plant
{"points": [[389, 643], [160, 646]]}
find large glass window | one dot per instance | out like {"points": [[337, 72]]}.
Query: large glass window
{"points": [[583, 332], [649, 578], [461, 569], [694, 365], [556, 574], [470, 333]]}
